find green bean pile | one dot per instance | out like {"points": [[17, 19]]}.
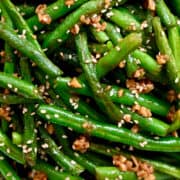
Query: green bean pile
{"points": [[90, 90]]}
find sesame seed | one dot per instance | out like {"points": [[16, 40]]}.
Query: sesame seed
{"points": [[56, 115], [43, 111], [9, 85]]}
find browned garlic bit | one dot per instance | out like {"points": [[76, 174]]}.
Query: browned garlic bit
{"points": [[122, 64], [171, 113], [81, 144], [142, 169], [120, 92], [74, 83], [127, 118], [43, 17], [139, 73], [69, 2], [150, 4], [171, 96], [38, 175], [88, 126], [5, 113], [107, 3], [50, 129], [93, 20], [135, 128], [75, 29], [162, 58], [141, 86], [141, 110]]}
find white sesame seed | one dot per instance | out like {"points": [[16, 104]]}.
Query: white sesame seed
{"points": [[43, 111], [9, 85], [56, 115]]}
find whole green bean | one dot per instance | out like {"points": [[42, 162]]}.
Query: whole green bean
{"points": [[27, 48], [107, 131]]}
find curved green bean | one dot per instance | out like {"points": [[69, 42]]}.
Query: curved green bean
{"points": [[107, 131]]}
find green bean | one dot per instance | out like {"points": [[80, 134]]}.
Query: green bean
{"points": [[159, 166], [113, 173], [176, 122], [165, 14], [112, 32], [16, 138], [20, 87], [97, 160], [61, 159], [151, 125], [174, 42], [52, 173], [9, 65], [117, 54], [79, 105], [131, 66], [55, 11], [172, 70], [9, 149], [107, 131], [26, 10], [156, 105], [170, 22], [13, 99], [25, 69], [124, 19], [20, 22], [78, 157], [9, 58], [148, 63], [99, 36], [27, 48], [100, 48], [100, 96], [6, 170], [61, 32], [29, 137]]}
